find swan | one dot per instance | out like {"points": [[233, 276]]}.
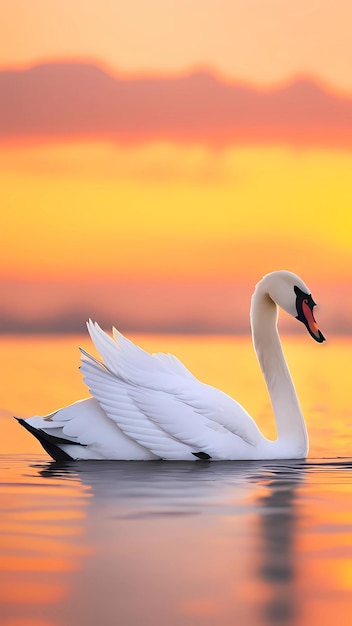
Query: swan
{"points": [[149, 406]]}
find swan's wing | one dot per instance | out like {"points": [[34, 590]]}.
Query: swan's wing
{"points": [[116, 399], [162, 372], [130, 362], [173, 365], [159, 421], [146, 399]]}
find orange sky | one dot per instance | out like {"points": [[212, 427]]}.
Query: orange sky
{"points": [[132, 170], [255, 41]]}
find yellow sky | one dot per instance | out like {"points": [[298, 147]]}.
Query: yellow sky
{"points": [[98, 209]]}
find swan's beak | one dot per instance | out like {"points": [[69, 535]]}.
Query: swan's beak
{"points": [[310, 323], [304, 307]]}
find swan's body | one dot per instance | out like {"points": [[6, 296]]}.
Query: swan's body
{"points": [[147, 407]]}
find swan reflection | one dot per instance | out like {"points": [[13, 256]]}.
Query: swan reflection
{"points": [[199, 542], [278, 523]]}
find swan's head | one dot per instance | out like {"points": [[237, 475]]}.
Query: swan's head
{"points": [[290, 293]]}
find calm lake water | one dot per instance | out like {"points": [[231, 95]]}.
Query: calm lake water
{"points": [[128, 543]]}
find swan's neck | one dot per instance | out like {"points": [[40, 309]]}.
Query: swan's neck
{"points": [[290, 424]]}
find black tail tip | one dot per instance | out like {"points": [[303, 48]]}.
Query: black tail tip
{"points": [[48, 442]]}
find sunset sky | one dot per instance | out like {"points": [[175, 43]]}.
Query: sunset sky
{"points": [[157, 158]]}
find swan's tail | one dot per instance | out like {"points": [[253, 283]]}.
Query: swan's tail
{"points": [[50, 443]]}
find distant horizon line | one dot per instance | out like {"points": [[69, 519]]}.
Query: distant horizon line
{"points": [[336, 332], [217, 329]]}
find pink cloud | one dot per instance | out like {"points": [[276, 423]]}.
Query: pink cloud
{"points": [[77, 100]]}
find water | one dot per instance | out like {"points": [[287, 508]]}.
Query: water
{"points": [[178, 543]]}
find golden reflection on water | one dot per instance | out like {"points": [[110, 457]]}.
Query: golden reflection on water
{"points": [[261, 544], [41, 527]]}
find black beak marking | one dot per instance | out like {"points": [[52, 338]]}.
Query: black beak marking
{"points": [[304, 307]]}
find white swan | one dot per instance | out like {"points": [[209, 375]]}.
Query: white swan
{"points": [[148, 407]]}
